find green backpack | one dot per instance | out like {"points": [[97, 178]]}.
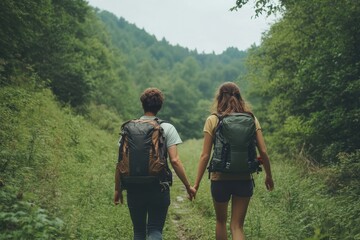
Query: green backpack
{"points": [[235, 145]]}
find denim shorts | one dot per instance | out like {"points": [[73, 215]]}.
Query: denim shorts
{"points": [[221, 191]]}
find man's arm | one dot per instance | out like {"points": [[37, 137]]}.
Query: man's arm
{"points": [[180, 171]]}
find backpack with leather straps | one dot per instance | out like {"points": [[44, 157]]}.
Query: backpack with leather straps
{"points": [[142, 160]]}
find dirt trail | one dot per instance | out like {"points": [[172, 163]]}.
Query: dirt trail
{"points": [[177, 213]]}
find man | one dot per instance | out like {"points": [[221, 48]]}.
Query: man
{"points": [[148, 206]]}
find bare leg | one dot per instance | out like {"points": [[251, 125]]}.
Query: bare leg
{"points": [[221, 217], [239, 207]]}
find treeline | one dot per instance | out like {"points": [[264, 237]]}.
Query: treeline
{"points": [[59, 44], [306, 78], [188, 78], [92, 58], [305, 83]]}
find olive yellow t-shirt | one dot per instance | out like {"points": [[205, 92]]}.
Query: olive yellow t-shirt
{"points": [[209, 127]]}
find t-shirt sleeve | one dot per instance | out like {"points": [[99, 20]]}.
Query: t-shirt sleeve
{"points": [[210, 124], [257, 124], [171, 135]]}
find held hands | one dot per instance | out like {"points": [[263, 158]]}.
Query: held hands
{"points": [[196, 188], [118, 197], [191, 192]]}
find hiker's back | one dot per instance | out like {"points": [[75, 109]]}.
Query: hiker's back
{"points": [[235, 144], [142, 154]]}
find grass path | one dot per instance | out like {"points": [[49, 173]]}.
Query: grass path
{"points": [[188, 220], [176, 216]]}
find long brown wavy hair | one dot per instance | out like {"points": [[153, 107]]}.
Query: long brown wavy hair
{"points": [[229, 100]]}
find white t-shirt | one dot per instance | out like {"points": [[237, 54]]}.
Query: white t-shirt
{"points": [[171, 135]]}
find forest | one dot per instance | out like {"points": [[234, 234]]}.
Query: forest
{"points": [[70, 74]]}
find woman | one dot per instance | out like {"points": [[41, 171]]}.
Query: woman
{"points": [[148, 206], [238, 187]]}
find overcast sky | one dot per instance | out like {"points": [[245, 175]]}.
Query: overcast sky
{"points": [[205, 25]]}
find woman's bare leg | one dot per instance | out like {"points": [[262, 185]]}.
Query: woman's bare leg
{"points": [[221, 217], [239, 207]]}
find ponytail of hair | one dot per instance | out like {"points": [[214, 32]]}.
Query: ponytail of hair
{"points": [[228, 100]]}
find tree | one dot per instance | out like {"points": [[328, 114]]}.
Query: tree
{"points": [[307, 71], [263, 6], [19, 33]]}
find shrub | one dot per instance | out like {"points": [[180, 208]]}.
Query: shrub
{"points": [[344, 177], [24, 220]]}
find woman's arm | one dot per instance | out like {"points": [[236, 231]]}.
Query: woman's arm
{"points": [[265, 160], [204, 159], [179, 170]]}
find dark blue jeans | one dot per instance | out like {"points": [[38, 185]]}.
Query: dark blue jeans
{"points": [[148, 209]]}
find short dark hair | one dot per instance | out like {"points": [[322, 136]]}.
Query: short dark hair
{"points": [[152, 100]]}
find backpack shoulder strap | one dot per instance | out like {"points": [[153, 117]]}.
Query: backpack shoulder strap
{"points": [[219, 116], [158, 120], [251, 114], [123, 125], [218, 127], [122, 139]]}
